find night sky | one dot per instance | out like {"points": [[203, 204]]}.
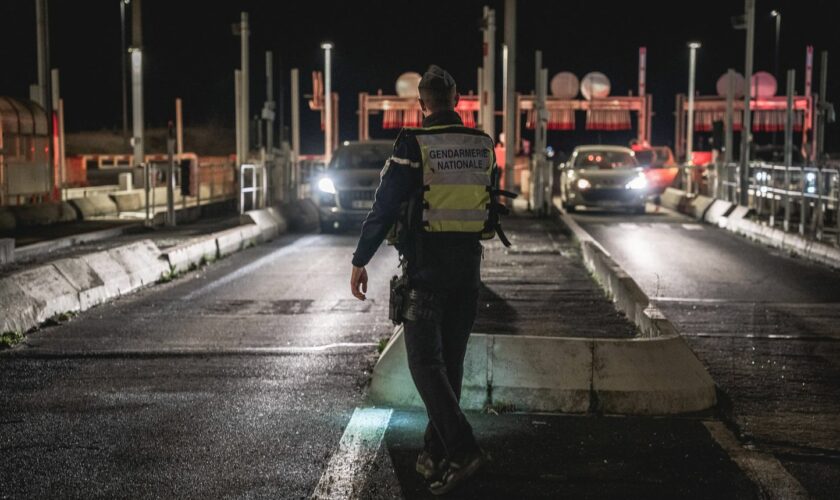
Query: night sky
{"points": [[190, 51]]}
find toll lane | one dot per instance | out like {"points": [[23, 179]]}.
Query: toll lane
{"points": [[766, 325]]}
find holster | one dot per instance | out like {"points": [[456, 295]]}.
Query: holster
{"points": [[399, 297]]}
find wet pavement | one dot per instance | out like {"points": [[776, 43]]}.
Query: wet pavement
{"points": [[239, 380], [765, 324], [540, 286]]}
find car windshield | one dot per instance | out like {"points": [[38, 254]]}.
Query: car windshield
{"points": [[361, 156], [604, 160]]}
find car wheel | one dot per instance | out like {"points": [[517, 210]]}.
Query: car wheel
{"points": [[327, 227], [569, 208], [640, 210]]}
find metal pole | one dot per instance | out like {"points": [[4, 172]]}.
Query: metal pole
{"points": [[295, 101], [824, 106], [480, 90], [170, 176], [244, 86], [728, 131], [123, 51], [778, 16], [689, 135], [746, 129], [42, 52], [237, 91], [328, 104], [790, 91], [268, 114], [137, 97], [179, 127], [58, 109], [510, 94], [488, 98], [541, 175]]}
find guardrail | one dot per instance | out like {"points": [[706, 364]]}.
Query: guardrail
{"points": [[798, 198]]}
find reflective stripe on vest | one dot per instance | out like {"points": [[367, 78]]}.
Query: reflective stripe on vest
{"points": [[457, 169]]}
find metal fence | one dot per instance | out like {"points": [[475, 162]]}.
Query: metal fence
{"points": [[803, 199]]}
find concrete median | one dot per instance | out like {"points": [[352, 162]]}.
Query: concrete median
{"points": [[33, 296], [140, 261], [673, 199], [270, 221], [192, 253], [654, 373]]}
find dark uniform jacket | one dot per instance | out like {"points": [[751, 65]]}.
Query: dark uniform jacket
{"points": [[442, 261]]}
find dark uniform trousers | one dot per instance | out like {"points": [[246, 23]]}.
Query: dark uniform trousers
{"points": [[436, 352]]}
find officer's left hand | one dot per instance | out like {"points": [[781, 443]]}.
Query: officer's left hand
{"points": [[358, 282]]}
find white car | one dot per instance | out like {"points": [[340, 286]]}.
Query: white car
{"points": [[603, 177]]}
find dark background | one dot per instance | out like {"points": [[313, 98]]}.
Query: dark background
{"points": [[190, 51]]}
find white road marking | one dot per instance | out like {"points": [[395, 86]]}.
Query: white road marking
{"points": [[628, 225], [693, 227], [763, 469], [354, 456]]}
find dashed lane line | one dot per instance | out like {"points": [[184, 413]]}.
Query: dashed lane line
{"points": [[763, 469], [692, 227], [352, 461]]}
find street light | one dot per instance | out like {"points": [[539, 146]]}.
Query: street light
{"points": [[123, 51], [778, 16], [692, 66], [328, 139]]}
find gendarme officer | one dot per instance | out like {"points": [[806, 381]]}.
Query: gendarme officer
{"points": [[437, 198]]}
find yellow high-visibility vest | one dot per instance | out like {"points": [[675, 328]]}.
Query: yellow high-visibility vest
{"points": [[457, 179]]}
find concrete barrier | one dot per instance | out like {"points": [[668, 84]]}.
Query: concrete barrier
{"points": [[697, 206], [115, 279], [718, 210], [181, 257], [673, 199], [645, 377], [89, 286], [7, 250], [49, 290], [96, 205], [235, 239], [140, 261], [270, 221], [128, 202], [20, 311], [653, 374]]}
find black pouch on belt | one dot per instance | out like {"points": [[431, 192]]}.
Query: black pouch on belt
{"points": [[399, 295]]}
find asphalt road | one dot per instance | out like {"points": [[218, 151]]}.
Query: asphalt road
{"points": [[240, 381], [766, 325], [171, 392]]}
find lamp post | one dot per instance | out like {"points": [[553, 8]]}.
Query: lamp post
{"points": [[123, 52], [689, 140], [328, 118]]}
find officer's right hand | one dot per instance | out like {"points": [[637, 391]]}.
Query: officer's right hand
{"points": [[358, 282]]}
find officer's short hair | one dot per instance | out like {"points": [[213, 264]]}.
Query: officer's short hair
{"points": [[437, 88]]}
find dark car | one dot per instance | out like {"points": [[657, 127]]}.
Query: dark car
{"points": [[344, 191]]}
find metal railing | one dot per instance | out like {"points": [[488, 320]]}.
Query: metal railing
{"points": [[798, 198]]}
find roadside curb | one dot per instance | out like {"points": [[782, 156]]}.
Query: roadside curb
{"points": [[30, 297], [655, 373]]}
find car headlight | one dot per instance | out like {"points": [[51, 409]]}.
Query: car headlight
{"points": [[583, 184], [325, 185], [638, 183]]}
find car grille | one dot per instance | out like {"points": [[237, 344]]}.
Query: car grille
{"points": [[603, 194], [346, 198]]}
